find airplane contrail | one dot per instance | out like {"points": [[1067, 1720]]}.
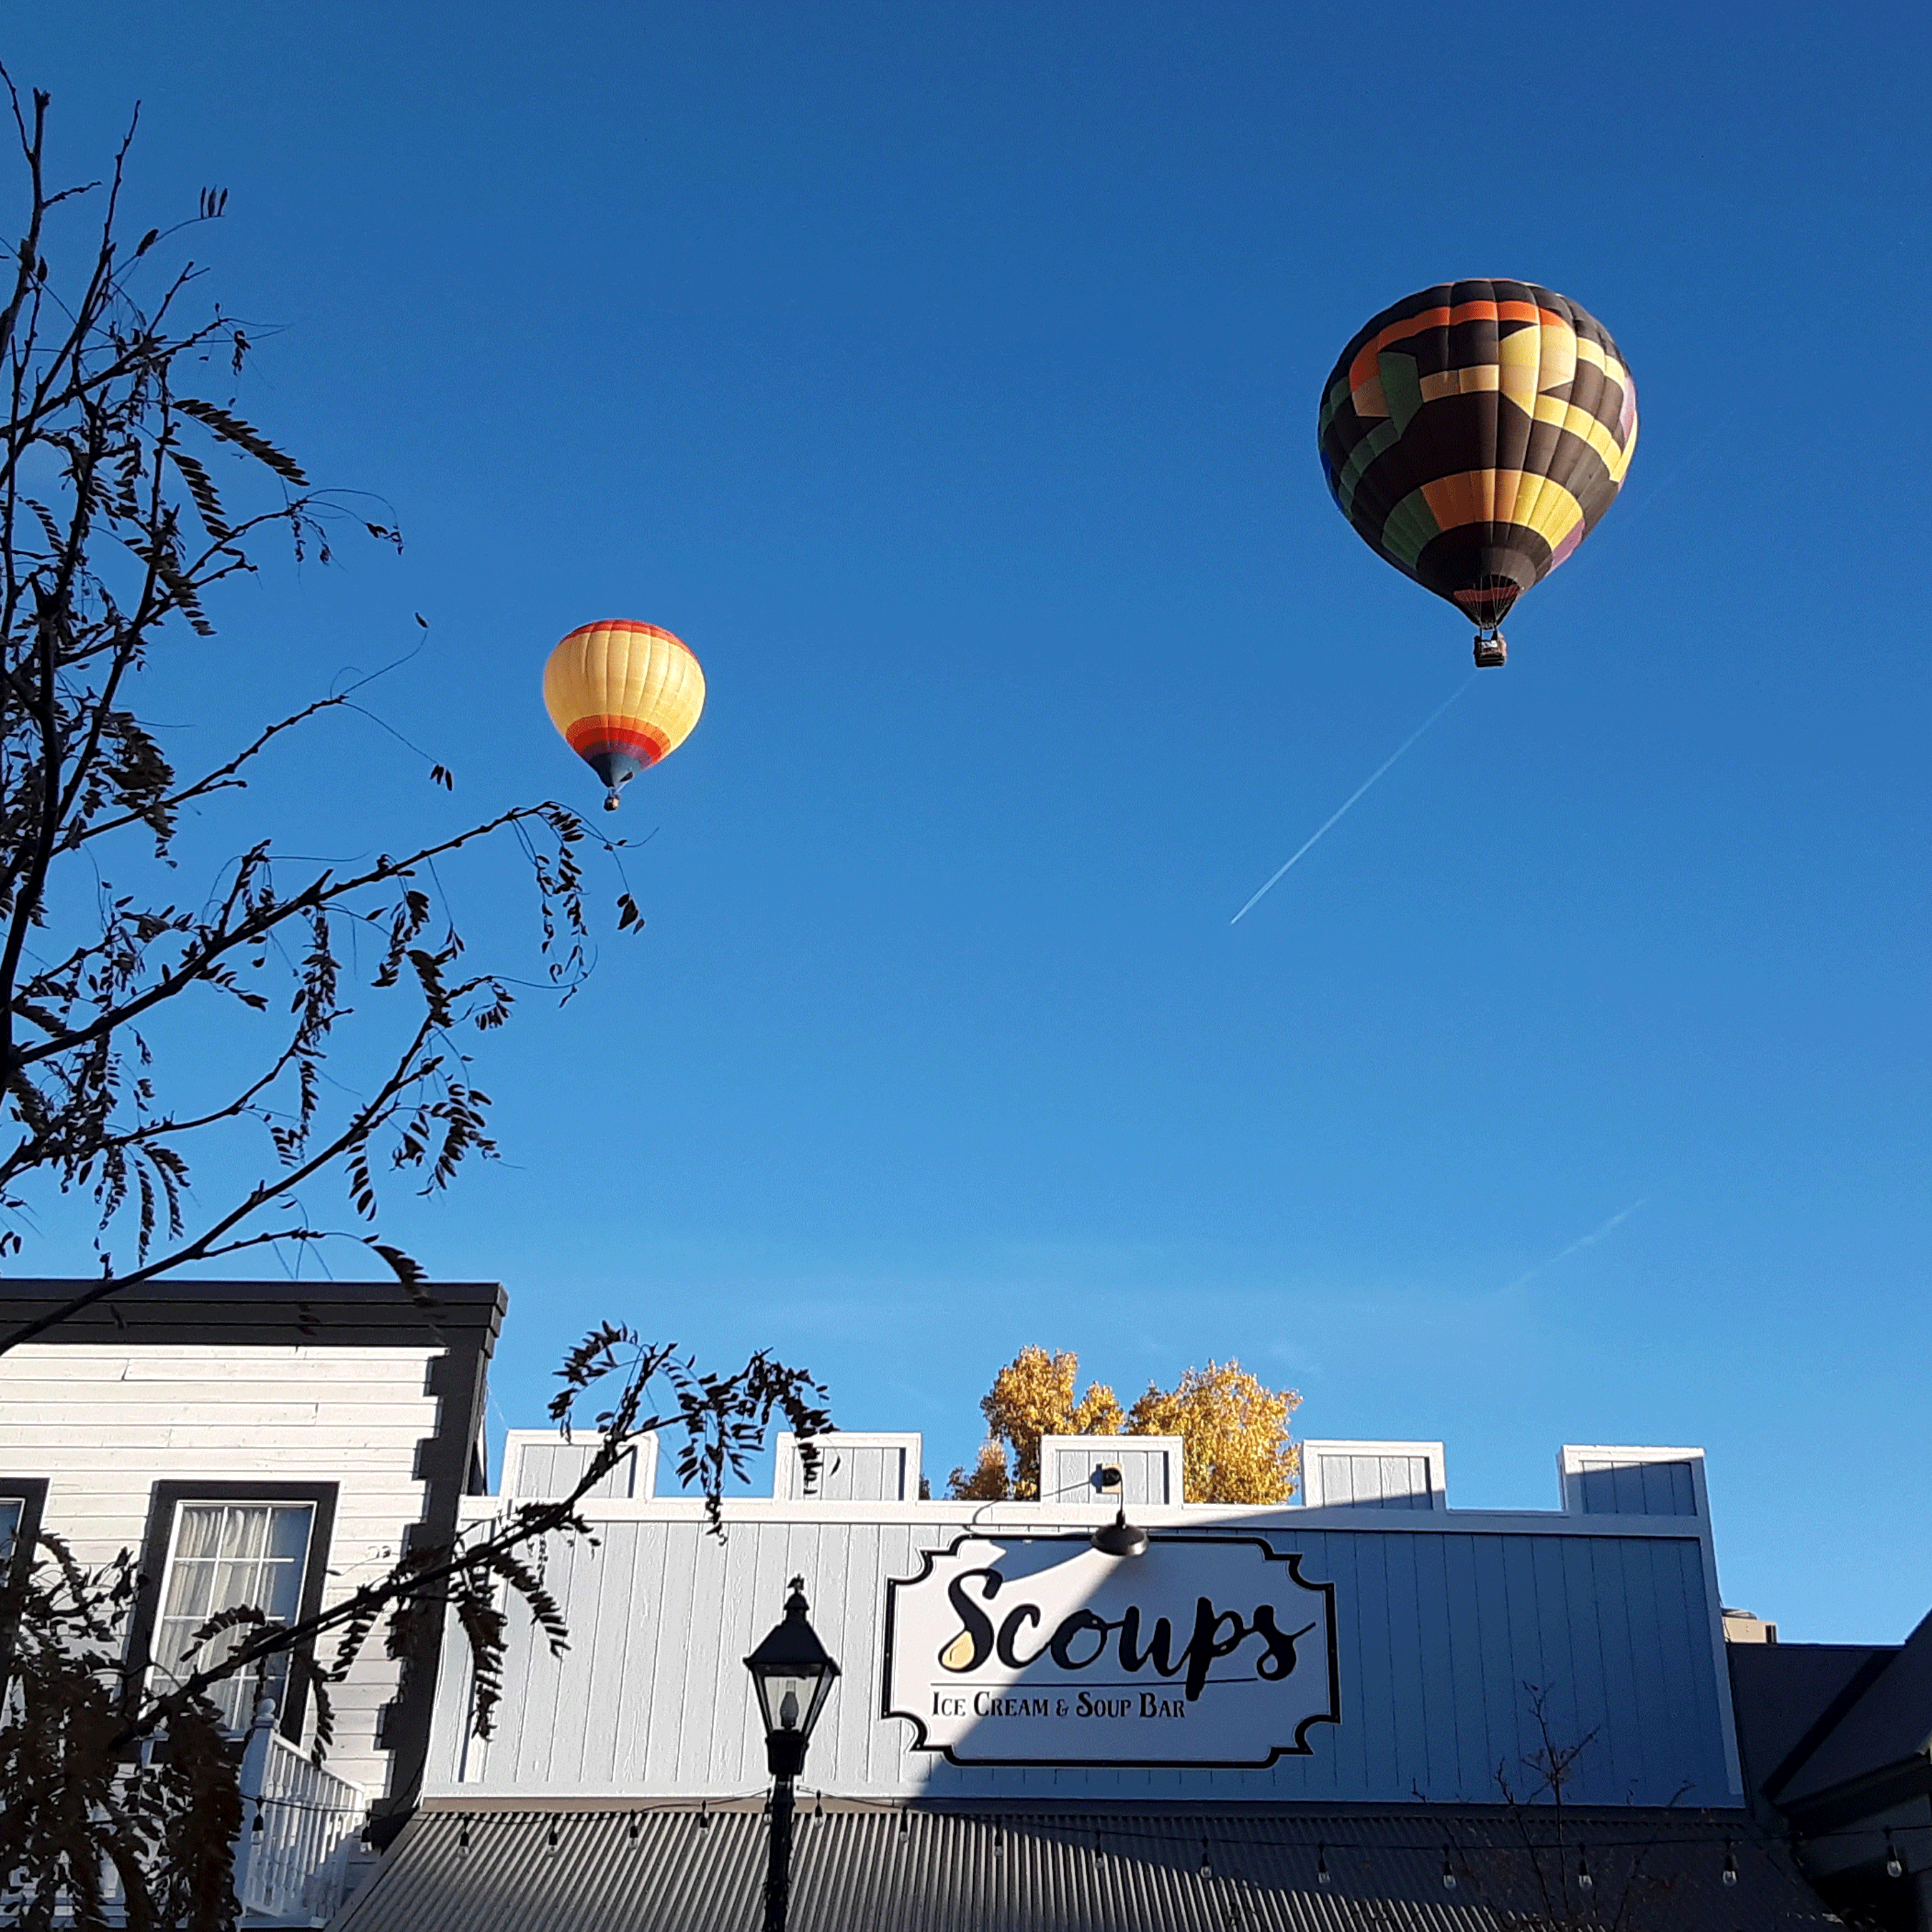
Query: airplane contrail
{"points": [[1588, 1241], [1307, 845]]}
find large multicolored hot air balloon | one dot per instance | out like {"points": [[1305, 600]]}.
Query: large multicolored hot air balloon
{"points": [[1473, 435], [624, 695]]}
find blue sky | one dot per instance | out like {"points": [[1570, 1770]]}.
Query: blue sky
{"points": [[946, 375]]}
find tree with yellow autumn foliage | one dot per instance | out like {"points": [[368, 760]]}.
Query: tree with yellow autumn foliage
{"points": [[1033, 1395], [1234, 1431], [1234, 1434]]}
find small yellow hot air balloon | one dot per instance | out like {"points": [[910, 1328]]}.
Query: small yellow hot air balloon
{"points": [[624, 695]]}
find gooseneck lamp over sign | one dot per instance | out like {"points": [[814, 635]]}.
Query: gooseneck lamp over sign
{"points": [[792, 1673], [1120, 1537]]}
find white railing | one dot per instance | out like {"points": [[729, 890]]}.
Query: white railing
{"points": [[299, 1826]]}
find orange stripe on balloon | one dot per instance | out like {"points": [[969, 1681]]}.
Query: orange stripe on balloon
{"points": [[1363, 366]]}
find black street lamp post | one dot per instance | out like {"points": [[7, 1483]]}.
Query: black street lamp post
{"points": [[792, 1674]]}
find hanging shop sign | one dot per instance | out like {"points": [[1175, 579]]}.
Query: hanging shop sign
{"points": [[1041, 1650]]}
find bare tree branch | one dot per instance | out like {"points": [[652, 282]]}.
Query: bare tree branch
{"points": [[114, 533]]}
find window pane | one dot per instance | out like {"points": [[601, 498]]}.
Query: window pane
{"points": [[233, 1700], [190, 1591], [243, 1532], [235, 1583], [288, 1533], [10, 1510], [281, 1590], [198, 1530], [171, 1641]]}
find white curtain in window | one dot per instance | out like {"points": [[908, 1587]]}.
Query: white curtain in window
{"points": [[227, 1556]]}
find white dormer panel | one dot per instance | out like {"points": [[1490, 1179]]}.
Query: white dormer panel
{"points": [[1601, 1479], [1070, 1466], [1374, 1475], [853, 1466], [540, 1466]]}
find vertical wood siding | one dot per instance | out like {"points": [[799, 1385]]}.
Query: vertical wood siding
{"points": [[1636, 1488], [1147, 1475], [1376, 1482], [849, 1465], [1439, 1632], [546, 1469], [871, 1473]]}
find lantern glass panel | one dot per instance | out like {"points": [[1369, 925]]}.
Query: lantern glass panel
{"points": [[789, 1698]]}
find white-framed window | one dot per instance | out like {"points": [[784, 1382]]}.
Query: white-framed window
{"points": [[227, 1555]]}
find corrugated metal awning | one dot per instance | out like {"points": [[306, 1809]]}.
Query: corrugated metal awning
{"points": [[966, 1868]]}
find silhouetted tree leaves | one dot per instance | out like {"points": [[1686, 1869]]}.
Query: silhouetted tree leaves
{"points": [[107, 560]]}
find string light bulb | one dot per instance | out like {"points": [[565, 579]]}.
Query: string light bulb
{"points": [[1894, 1866], [1448, 1872], [1206, 1863], [463, 1839], [1586, 1879], [1321, 1864], [1730, 1865]]}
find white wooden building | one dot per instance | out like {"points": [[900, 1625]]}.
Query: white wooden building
{"points": [[267, 1443]]}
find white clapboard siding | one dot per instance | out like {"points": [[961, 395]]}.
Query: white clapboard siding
{"points": [[196, 1362], [103, 1426]]}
